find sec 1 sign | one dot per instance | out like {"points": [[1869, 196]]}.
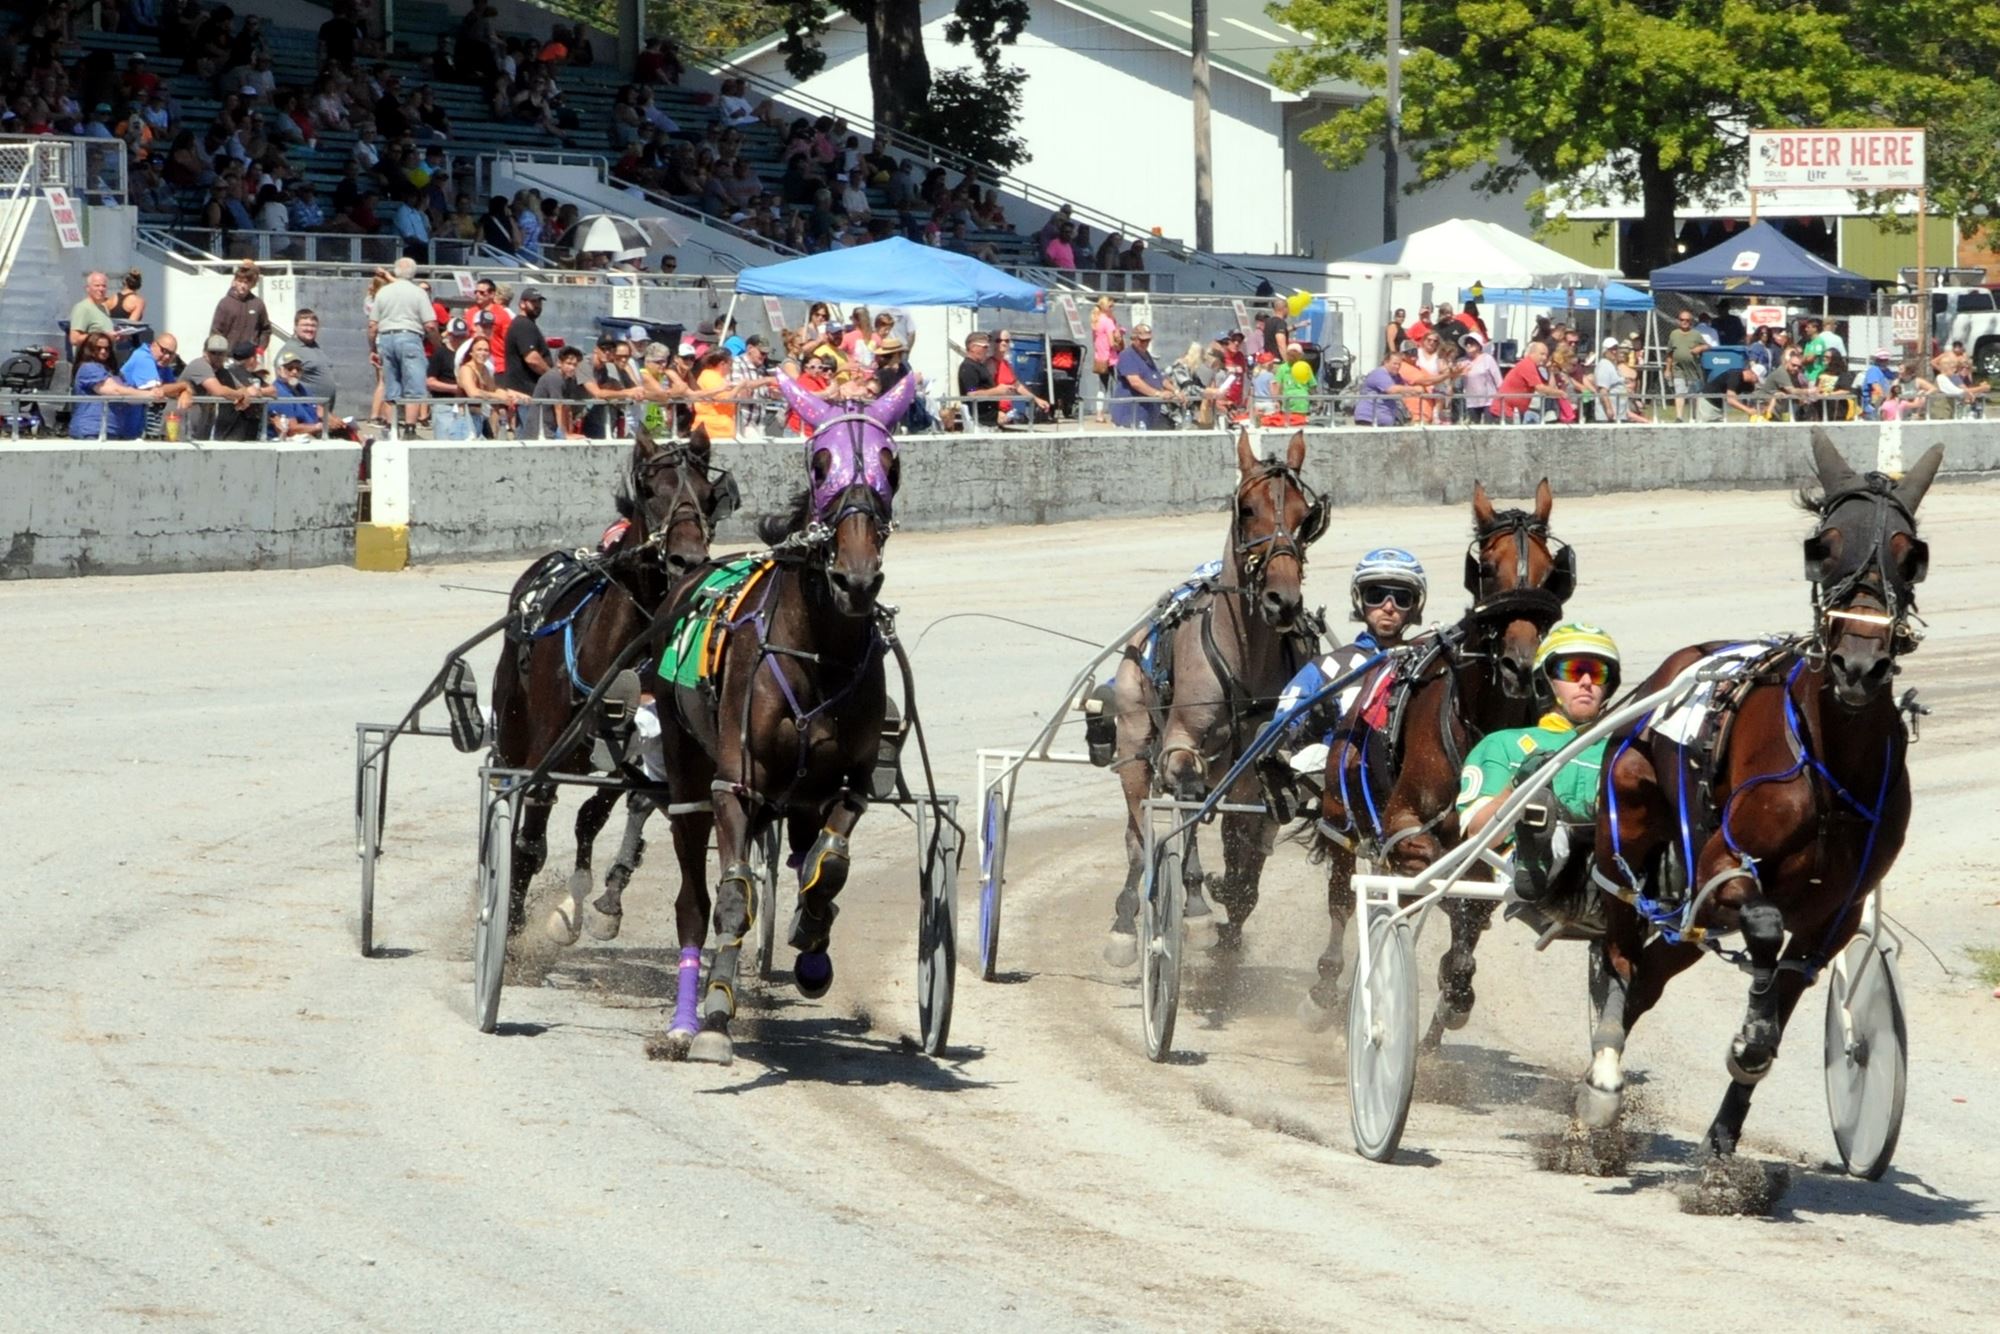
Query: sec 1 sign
{"points": [[1837, 159]]}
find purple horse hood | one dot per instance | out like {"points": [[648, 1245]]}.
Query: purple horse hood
{"points": [[854, 438]]}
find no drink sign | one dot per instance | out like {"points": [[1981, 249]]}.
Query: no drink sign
{"points": [[68, 218]]}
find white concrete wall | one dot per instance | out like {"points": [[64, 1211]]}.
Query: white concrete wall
{"points": [[1108, 117], [1335, 214]]}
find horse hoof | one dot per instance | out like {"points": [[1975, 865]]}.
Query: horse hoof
{"points": [[711, 1047], [1200, 932], [1597, 1108], [1228, 940], [1121, 949], [671, 1045], [562, 923], [601, 925], [1747, 1065], [813, 972], [1313, 1017]]}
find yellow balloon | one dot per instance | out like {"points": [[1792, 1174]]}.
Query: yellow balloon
{"points": [[1302, 372], [1297, 303]]}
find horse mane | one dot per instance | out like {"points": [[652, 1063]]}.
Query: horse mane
{"points": [[627, 507], [775, 528]]}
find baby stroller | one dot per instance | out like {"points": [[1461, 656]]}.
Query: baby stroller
{"points": [[26, 372]]}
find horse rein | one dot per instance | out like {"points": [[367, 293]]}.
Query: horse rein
{"points": [[1255, 554], [685, 506]]}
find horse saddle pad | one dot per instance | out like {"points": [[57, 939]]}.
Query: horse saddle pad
{"points": [[1685, 723], [699, 636]]}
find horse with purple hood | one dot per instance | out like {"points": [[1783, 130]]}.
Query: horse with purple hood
{"points": [[787, 722]]}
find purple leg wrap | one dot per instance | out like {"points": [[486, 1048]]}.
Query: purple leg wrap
{"points": [[685, 1016]]}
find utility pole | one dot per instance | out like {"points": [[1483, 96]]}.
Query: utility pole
{"points": [[1204, 181], [1392, 144]]}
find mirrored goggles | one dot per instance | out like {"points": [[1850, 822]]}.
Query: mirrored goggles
{"points": [[1374, 595], [1578, 671]]}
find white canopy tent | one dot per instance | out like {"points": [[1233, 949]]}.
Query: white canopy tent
{"points": [[1438, 261]]}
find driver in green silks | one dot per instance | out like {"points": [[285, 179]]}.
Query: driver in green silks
{"points": [[1580, 664]]}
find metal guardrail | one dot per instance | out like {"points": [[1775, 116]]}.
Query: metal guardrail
{"points": [[14, 415], [94, 170]]}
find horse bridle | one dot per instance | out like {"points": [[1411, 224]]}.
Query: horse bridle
{"points": [[1543, 603], [723, 495], [1255, 554], [875, 507], [1896, 591]]}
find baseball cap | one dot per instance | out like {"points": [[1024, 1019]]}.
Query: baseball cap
{"points": [[638, 333], [291, 359], [658, 352], [734, 345], [250, 90], [458, 326], [1229, 335], [1883, 354], [486, 317], [531, 294], [1409, 345], [216, 345], [686, 348], [243, 351], [1610, 343]]}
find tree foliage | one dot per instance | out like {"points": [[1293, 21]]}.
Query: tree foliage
{"points": [[972, 112], [1652, 98]]}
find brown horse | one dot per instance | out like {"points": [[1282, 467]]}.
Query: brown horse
{"points": [[585, 614], [1471, 678], [788, 723], [1223, 657], [1782, 824]]}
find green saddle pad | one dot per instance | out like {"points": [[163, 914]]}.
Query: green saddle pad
{"points": [[684, 661]]}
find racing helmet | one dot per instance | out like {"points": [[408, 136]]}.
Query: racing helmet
{"points": [[1389, 565], [1578, 639]]}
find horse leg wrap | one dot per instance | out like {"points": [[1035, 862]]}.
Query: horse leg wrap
{"points": [[821, 878], [1125, 912], [733, 898], [688, 991], [1756, 1047]]}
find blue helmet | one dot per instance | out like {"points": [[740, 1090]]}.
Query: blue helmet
{"points": [[1389, 565]]}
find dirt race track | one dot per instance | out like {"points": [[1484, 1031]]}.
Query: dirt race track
{"points": [[218, 1116]]}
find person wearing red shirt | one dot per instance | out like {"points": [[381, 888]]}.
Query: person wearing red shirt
{"points": [[1419, 326], [1524, 385], [484, 300]]}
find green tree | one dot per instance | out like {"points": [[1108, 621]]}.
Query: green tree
{"points": [[1648, 98], [899, 71]]}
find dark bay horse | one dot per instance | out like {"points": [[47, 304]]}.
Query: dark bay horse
{"points": [[788, 723], [1218, 665], [1782, 826], [1391, 790], [585, 613]]}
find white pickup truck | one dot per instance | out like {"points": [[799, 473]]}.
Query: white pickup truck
{"points": [[1969, 315]]}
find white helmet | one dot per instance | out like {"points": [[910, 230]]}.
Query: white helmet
{"points": [[1389, 565]]}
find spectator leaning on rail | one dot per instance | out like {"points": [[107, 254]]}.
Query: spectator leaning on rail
{"points": [[96, 380], [1525, 389], [1382, 391], [558, 420], [402, 319], [155, 365], [288, 418], [1140, 385], [240, 317], [979, 380]]}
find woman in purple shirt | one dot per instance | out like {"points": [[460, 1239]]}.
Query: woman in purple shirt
{"points": [[1380, 403]]}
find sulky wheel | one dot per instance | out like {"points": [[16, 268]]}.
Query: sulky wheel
{"points": [[489, 927], [937, 938], [368, 832], [1867, 1056], [1161, 902], [766, 927], [1382, 1039], [991, 876]]}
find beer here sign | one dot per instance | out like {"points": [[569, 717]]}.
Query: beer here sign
{"points": [[1837, 159]]}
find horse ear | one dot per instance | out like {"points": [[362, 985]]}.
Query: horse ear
{"points": [[643, 444], [1834, 474], [1482, 508], [1545, 500], [1246, 457], [814, 412], [698, 443], [1918, 479], [1295, 453]]}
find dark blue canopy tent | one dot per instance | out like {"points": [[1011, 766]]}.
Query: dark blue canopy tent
{"points": [[1760, 261]]}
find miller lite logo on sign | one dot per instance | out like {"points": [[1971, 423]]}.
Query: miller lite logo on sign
{"points": [[1837, 159]]}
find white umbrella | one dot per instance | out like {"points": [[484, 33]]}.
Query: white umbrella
{"points": [[621, 238]]}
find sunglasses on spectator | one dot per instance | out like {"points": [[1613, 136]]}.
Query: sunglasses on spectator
{"points": [[1579, 671], [1377, 595]]}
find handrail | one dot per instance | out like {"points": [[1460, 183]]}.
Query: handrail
{"points": [[716, 61], [65, 160], [173, 246], [24, 203], [658, 200]]}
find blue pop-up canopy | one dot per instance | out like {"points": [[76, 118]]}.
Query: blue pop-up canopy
{"points": [[1760, 261], [895, 272], [1617, 296]]}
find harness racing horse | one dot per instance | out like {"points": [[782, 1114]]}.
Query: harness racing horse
{"points": [[789, 721], [1451, 689], [1783, 825], [1219, 658], [573, 616]]}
